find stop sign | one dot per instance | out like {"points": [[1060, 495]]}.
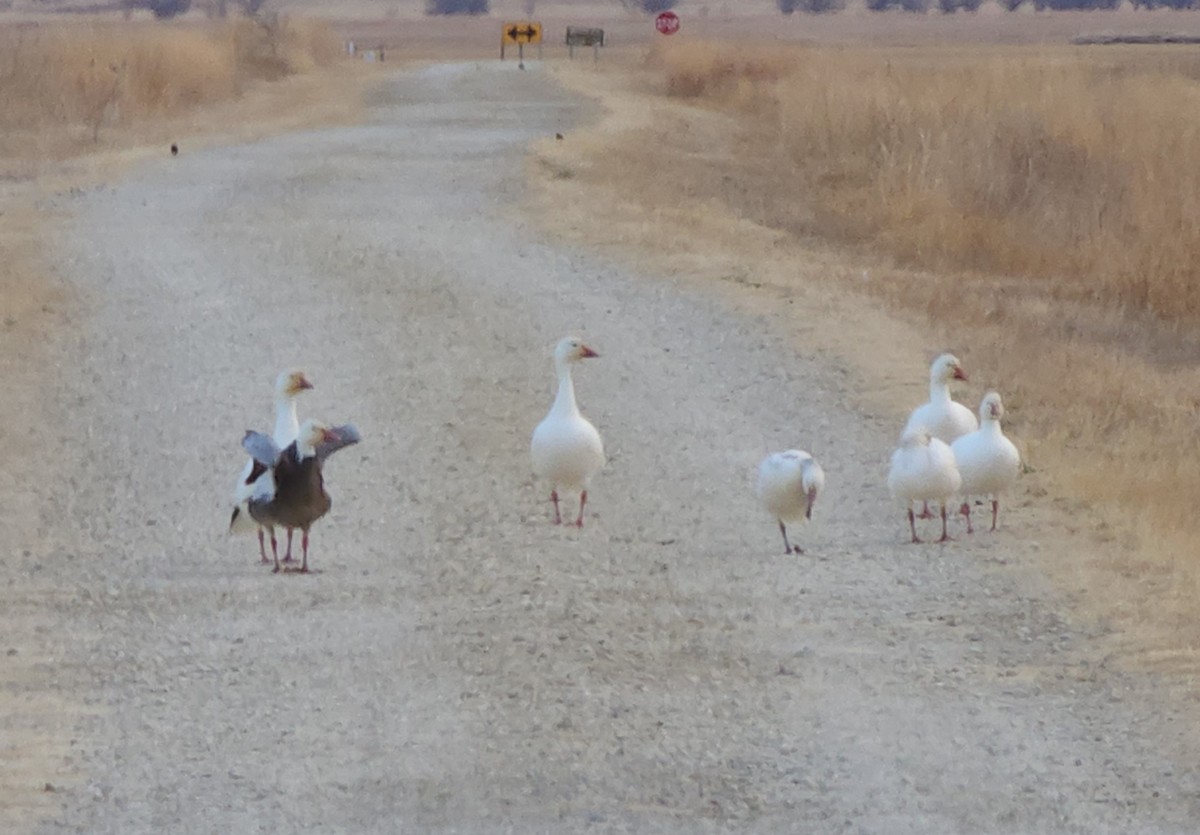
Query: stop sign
{"points": [[667, 23]]}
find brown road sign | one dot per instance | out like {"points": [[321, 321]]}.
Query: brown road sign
{"points": [[521, 32]]}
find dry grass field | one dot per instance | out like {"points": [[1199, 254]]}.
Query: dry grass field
{"points": [[64, 87], [1029, 206]]}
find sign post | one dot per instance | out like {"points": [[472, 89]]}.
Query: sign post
{"points": [[580, 36], [520, 33]]}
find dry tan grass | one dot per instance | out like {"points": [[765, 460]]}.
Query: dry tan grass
{"points": [[764, 170], [63, 86], [1072, 166]]}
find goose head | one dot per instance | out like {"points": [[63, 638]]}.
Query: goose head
{"points": [[812, 479], [991, 407], [946, 368], [291, 383], [570, 349], [312, 433]]}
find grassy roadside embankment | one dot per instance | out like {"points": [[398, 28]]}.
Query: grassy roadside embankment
{"points": [[1027, 206], [78, 103]]}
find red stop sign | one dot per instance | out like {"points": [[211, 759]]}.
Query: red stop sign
{"points": [[667, 23]]}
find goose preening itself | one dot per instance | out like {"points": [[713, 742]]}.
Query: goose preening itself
{"points": [[788, 485], [254, 479], [566, 448], [987, 461], [945, 419], [923, 470], [299, 497]]}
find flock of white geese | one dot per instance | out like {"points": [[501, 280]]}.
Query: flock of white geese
{"points": [[944, 454]]}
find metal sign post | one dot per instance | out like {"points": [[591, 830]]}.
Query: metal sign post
{"points": [[581, 36], [520, 33]]}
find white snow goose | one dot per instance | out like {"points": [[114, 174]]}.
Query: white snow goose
{"points": [[288, 386], [923, 470], [987, 461], [788, 485], [566, 448], [945, 419], [299, 498]]}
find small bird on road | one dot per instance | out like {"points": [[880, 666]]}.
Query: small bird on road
{"points": [[788, 485], [174, 150], [566, 448]]}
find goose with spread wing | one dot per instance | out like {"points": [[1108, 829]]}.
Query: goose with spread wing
{"points": [[254, 479], [299, 498]]}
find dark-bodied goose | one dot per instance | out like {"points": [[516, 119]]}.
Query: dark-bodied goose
{"points": [[288, 386], [299, 498]]}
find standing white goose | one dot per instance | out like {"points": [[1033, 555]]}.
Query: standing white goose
{"points": [[566, 448], [923, 470], [788, 485], [945, 419], [254, 480], [987, 461]]}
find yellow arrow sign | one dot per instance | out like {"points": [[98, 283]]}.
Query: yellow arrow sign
{"points": [[521, 31]]}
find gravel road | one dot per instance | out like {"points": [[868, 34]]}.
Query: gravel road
{"points": [[457, 663]]}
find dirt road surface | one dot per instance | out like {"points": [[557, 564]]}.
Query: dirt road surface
{"points": [[457, 663]]}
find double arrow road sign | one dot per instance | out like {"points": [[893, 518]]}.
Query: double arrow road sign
{"points": [[520, 33], [524, 31]]}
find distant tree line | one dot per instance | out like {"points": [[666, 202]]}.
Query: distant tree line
{"points": [[950, 6], [456, 6], [219, 8]]}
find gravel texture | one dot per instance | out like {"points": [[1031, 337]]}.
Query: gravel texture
{"points": [[457, 663]]}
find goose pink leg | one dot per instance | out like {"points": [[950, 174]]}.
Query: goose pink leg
{"points": [[945, 536], [965, 510], [262, 549], [582, 502], [912, 525], [995, 512], [288, 556], [557, 514]]}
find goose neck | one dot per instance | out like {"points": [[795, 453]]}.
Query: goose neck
{"points": [[287, 424], [939, 391], [564, 401]]}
